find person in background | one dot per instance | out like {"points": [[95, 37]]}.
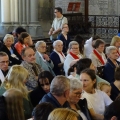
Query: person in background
{"points": [[97, 100], [104, 87], [115, 90], [14, 56], [57, 24], [63, 114], [14, 104], [77, 104], [97, 56], [81, 43], [24, 40], [88, 47], [4, 62], [44, 80], [64, 37], [58, 57], [73, 54], [59, 92], [42, 58], [33, 68], [111, 64], [42, 111]]}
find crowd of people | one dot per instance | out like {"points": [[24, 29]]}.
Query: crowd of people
{"points": [[79, 80]]}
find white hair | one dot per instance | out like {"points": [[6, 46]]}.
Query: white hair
{"points": [[56, 42], [8, 36], [75, 84], [72, 43], [109, 49], [39, 43]]}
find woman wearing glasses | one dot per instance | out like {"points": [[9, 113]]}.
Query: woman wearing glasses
{"points": [[77, 104]]}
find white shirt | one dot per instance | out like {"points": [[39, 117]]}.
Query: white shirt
{"points": [[82, 115], [98, 101]]}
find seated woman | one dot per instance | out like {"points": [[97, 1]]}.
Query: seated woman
{"points": [[24, 40], [44, 81], [42, 111], [116, 42], [77, 104], [112, 63], [97, 100], [16, 78], [73, 54], [97, 56], [87, 63], [42, 58], [64, 37], [58, 57], [115, 90], [11, 51], [14, 104], [63, 114]]}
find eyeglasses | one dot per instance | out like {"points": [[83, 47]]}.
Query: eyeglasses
{"points": [[78, 94], [55, 11], [44, 84], [3, 62], [75, 48]]}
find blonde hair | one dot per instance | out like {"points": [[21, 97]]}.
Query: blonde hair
{"points": [[114, 40], [15, 79], [62, 114], [14, 104], [101, 84]]}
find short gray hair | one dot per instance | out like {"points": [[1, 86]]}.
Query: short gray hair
{"points": [[73, 43], [39, 43], [57, 41], [59, 85], [75, 84], [109, 49], [8, 36]]}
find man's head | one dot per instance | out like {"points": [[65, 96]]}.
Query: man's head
{"points": [[28, 55], [19, 30], [58, 12], [112, 112], [60, 87], [4, 61], [58, 45]]}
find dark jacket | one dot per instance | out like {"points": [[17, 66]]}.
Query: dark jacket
{"points": [[56, 60], [3, 110], [109, 71], [84, 108], [13, 60], [65, 42], [114, 92], [36, 95], [51, 99]]}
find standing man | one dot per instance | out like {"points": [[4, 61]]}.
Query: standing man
{"points": [[58, 21]]}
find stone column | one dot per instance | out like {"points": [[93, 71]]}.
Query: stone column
{"points": [[24, 11], [33, 11], [5, 11], [16, 11], [20, 12], [27, 11]]}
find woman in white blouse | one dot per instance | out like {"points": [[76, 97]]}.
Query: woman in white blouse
{"points": [[97, 100]]}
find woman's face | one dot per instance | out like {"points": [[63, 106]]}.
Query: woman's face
{"points": [[113, 55], [75, 49], [117, 44], [88, 83], [27, 39], [42, 48], [101, 48], [65, 28], [75, 95], [45, 84], [8, 42]]}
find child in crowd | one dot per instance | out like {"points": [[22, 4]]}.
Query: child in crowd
{"points": [[104, 87]]}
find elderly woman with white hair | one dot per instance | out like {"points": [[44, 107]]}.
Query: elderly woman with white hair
{"points": [[11, 51], [112, 63], [58, 57], [73, 54], [77, 104], [42, 58]]}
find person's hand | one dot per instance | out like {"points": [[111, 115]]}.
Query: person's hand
{"points": [[50, 33], [53, 32], [46, 57]]}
